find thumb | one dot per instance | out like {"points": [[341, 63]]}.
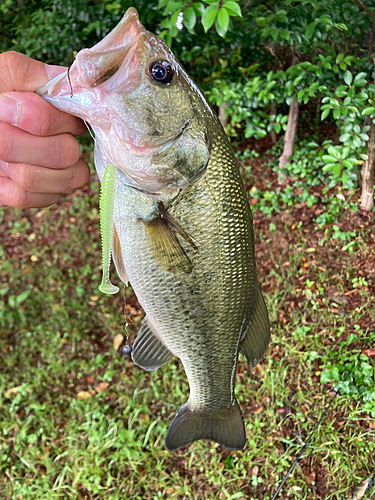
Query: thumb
{"points": [[21, 73]]}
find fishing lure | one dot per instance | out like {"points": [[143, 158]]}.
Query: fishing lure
{"points": [[106, 203]]}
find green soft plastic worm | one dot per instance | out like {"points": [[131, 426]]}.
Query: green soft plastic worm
{"points": [[106, 203]]}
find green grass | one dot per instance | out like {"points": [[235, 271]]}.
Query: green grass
{"points": [[56, 344]]}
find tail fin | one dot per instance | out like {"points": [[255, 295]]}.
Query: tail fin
{"points": [[226, 428]]}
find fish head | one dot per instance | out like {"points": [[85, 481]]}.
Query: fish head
{"points": [[149, 118]]}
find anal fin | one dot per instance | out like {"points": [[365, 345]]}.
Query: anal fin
{"points": [[149, 352], [257, 337]]}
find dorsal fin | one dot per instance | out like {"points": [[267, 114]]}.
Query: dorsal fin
{"points": [[257, 337]]}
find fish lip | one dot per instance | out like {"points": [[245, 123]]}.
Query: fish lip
{"points": [[119, 41]]}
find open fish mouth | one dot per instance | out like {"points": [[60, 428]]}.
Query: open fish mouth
{"points": [[114, 55]]}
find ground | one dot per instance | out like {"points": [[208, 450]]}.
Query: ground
{"points": [[80, 421]]}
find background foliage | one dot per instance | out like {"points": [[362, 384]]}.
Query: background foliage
{"points": [[76, 420], [251, 58]]}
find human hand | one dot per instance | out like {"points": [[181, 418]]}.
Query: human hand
{"points": [[39, 156]]}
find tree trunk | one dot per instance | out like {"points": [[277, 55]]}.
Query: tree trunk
{"points": [[273, 112], [368, 174], [223, 120], [290, 133], [317, 111]]}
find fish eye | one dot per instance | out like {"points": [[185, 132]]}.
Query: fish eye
{"points": [[161, 72]]}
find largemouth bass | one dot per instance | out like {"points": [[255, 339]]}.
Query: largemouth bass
{"points": [[183, 227]]}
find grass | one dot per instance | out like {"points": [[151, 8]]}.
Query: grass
{"points": [[78, 421]]}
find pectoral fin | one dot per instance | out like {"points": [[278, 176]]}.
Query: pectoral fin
{"points": [[149, 352], [162, 233], [117, 258], [257, 337]]}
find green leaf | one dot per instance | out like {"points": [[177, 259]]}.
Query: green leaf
{"points": [[232, 8], [333, 151], [172, 7], [275, 34], [219, 30], [223, 19], [329, 159], [310, 30], [199, 8], [22, 297], [336, 113], [339, 57], [360, 83], [336, 169], [368, 111], [190, 18], [260, 20], [325, 113], [344, 137], [341, 90], [281, 16], [348, 77], [285, 34], [209, 16], [328, 167]]}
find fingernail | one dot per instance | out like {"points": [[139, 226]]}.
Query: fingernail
{"points": [[10, 109], [4, 166]]}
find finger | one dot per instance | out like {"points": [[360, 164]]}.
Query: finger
{"points": [[3, 169], [13, 196], [32, 113], [57, 151], [46, 180], [20, 73]]}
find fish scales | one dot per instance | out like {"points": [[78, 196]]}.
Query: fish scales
{"points": [[200, 315], [183, 226]]}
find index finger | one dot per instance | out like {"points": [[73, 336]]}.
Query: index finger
{"points": [[28, 111], [33, 114], [21, 73]]}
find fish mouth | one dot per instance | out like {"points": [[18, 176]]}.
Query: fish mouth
{"points": [[94, 66]]}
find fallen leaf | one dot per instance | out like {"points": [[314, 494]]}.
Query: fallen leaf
{"points": [[117, 341], [310, 478], [258, 410], [369, 352], [13, 391], [101, 387], [83, 395]]}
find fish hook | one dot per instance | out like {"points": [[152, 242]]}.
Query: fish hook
{"points": [[70, 83]]}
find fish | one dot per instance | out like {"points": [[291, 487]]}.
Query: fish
{"points": [[183, 229]]}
